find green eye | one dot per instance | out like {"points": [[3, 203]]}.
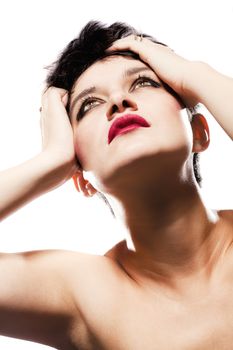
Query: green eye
{"points": [[146, 81], [87, 102], [90, 101]]}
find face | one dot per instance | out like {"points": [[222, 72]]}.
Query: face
{"points": [[139, 92]]}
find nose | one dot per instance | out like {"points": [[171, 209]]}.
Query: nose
{"points": [[119, 104]]}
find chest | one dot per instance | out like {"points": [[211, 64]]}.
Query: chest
{"points": [[130, 322]]}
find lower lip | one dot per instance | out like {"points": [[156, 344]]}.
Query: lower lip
{"points": [[127, 129]]}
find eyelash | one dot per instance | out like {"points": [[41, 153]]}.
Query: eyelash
{"points": [[90, 98]]}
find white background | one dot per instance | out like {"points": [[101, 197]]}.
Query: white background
{"points": [[32, 34]]}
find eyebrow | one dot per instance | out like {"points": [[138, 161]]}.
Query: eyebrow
{"points": [[126, 74]]}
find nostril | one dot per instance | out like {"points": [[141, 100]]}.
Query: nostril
{"points": [[125, 103], [114, 109]]}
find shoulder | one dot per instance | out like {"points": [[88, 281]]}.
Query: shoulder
{"points": [[114, 251], [80, 267], [80, 274], [88, 272]]}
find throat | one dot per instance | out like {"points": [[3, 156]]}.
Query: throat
{"points": [[175, 257]]}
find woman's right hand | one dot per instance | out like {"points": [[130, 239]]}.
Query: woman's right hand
{"points": [[57, 133]]}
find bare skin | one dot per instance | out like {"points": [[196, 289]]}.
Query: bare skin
{"points": [[169, 284], [110, 305], [127, 310]]}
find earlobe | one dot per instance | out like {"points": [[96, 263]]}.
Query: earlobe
{"points": [[83, 185], [201, 135], [75, 180]]}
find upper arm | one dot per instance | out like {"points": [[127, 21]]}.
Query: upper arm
{"points": [[36, 300]]}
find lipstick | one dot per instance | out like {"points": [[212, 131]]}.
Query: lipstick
{"points": [[125, 124]]}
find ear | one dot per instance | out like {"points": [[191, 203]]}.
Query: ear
{"points": [[201, 134], [83, 185]]}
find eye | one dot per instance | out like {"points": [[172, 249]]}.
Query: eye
{"points": [[145, 81], [88, 103]]}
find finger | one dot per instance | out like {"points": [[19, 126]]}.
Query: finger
{"points": [[126, 43], [53, 91], [65, 98], [54, 97]]}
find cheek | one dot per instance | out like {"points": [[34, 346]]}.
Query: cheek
{"points": [[161, 101], [171, 123], [81, 145], [178, 129], [87, 144], [165, 111]]}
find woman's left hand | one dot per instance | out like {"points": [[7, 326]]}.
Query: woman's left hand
{"points": [[171, 68]]}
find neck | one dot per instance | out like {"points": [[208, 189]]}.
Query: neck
{"points": [[171, 235]]}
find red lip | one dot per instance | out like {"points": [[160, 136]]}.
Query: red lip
{"points": [[126, 120]]}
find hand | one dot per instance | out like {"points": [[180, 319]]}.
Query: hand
{"points": [[57, 133], [171, 68]]}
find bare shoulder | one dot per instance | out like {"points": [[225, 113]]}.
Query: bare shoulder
{"points": [[88, 270], [113, 252], [46, 292], [89, 273]]}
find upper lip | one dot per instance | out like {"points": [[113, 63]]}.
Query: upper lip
{"points": [[124, 121]]}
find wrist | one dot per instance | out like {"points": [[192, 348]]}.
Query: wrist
{"points": [[52, 171], [197, 77]]}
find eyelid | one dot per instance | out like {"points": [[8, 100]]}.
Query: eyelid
{"points": [[84, 99], [145, 77], [90, 97]]}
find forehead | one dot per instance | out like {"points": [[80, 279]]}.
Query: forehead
{"points": [[105, 69]]}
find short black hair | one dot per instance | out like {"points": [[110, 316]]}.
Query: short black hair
{"points": [[87, 48]]}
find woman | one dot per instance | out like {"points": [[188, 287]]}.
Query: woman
{"points": [[115, 118]]}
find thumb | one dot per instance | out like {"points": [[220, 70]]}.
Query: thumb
{"points": [[65, 98]]}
